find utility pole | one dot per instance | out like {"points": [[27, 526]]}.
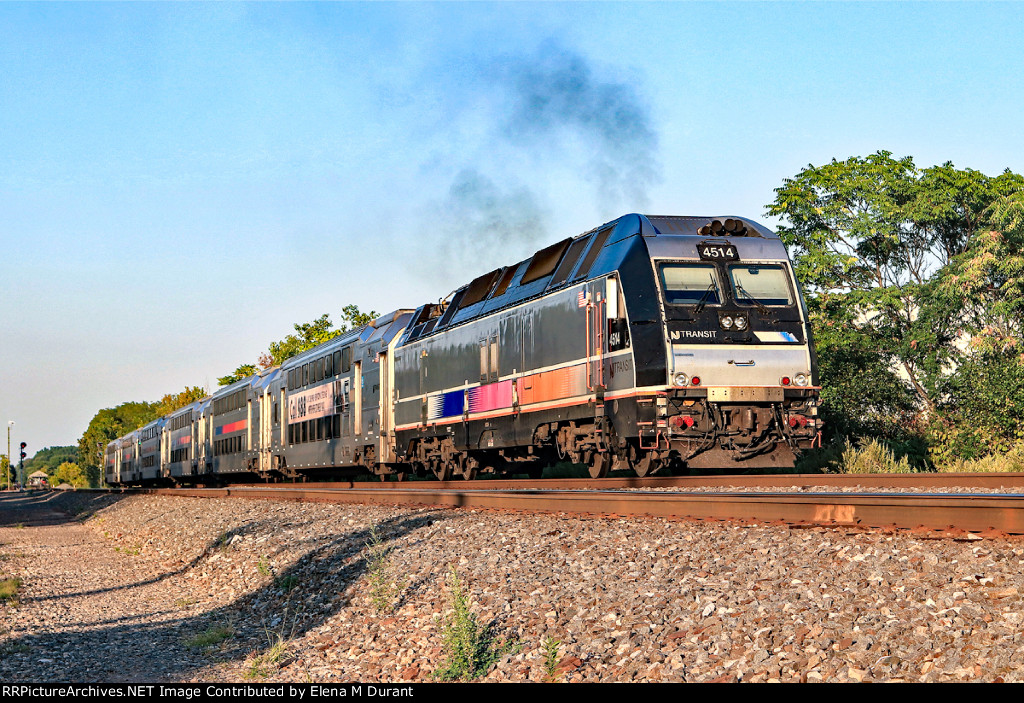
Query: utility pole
{"points": [[7, 471]]}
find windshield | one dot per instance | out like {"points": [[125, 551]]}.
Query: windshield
{"points": [[691, 284], [767, 285]]}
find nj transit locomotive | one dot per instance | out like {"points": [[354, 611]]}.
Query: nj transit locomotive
{"points": [[647, 343]]}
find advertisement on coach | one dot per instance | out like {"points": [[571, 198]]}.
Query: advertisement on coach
{"points": [[313, 403]]}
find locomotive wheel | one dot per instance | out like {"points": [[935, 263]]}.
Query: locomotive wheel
{"points": [[469, 467], [646, 465], [443, 470], [600, 463]]}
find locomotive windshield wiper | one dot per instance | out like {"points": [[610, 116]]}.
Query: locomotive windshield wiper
{"points": [[761, 307], [704, 298]]}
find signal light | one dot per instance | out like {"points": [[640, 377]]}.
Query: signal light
{"points": [[785, 380], [695, 380]]}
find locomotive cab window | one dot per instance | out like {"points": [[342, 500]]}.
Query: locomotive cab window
{"points": [[691, 284], [761, 284]]}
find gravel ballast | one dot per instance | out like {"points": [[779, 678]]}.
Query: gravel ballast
{"points": [[171, 589]]}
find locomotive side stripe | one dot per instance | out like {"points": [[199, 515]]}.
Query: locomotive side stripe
{"points": [[516, 376]]}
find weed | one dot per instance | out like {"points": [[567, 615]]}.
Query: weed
{"points": [[19, 526], [184, 602], [550, 646], [469, 647], [17, 648], [873, 457], [287, 583], [222, 542], [1011, 461], [264, 567], [273, 657], [263, 665], [210, 636], [9, 590], [384, 587]]}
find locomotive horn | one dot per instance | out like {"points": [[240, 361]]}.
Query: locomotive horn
{"points": [[730, 225], [716, 226]]}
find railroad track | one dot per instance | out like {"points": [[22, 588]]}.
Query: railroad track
{"points": [[948, 512]]}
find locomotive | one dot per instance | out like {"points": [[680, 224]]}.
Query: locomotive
{"points": [[650, 343]]}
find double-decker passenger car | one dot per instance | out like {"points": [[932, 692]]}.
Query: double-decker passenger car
{"points": [[646, 343]]}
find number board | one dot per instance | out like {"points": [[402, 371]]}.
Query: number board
{"points": [[718, 252]]}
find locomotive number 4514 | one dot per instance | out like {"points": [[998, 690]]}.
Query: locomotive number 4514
{"points": [[718, 252]]}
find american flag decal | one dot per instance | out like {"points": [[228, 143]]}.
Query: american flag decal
{"points": [[581, 299]]}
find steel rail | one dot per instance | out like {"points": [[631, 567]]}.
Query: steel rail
{"points": [[963, 512], [915, 480]]}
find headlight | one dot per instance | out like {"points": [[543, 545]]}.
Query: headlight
{"points": [[801, 379], [679, 379], [741, 323], [726, 322]]}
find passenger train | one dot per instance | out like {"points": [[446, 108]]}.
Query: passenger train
{"points": [[650, 343]]}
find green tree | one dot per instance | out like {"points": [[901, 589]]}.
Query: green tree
{"points": [[47, 460], [174, 401], [243, 371], [986, 281], [877, 234], [70, 473], [311, 334], [106, 425]]}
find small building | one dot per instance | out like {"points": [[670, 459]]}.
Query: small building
{"points": [[38, 480]]}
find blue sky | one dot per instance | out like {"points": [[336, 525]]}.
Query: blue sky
{"points": [[181, 182]]}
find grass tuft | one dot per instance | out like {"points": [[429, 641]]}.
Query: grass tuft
{"points": [[263, 664], [9, 590], [210, 637]]}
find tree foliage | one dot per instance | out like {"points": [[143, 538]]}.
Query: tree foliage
{"points": [[70, 473], [47, 460], [310, 334], [106, 425], [175, 401], [243, 371], [901, 265]]}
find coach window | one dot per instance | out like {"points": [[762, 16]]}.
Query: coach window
{"points": [[346, 359], [328, 366]]}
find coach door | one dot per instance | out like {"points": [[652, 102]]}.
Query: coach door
{"points": [[266, 416], [595, 340], [387, 410]]}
